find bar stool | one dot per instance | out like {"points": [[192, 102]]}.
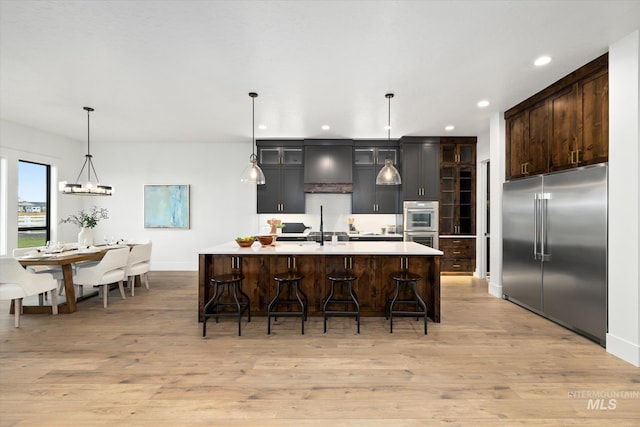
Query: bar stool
{"points": [[404, 279], [233, 283], [292, 280], [342, 279]]}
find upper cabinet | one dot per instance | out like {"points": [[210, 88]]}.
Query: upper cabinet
{"points": [[457, 185], [282, 164], [564, 126], [420, 168], [368, 198]]}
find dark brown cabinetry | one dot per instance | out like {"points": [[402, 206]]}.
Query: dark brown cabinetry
{"points": [[457, 186], [371, 287], [459, 255], [458, 204], [564, 126]]}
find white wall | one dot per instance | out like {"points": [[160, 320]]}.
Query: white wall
{"points": [[623, 338], [497, 152], [482, 157]]}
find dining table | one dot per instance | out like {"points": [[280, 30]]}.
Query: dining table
{"points": [[65, 260]]}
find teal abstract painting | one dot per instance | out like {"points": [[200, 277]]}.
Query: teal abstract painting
{"points": [[166, 206]]}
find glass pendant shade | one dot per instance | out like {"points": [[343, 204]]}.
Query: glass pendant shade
{"points": [[88, 187], [388, 175], [253, 174]]}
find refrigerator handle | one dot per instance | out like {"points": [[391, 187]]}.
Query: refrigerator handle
{"points": [[536, 210], [544, 254]]}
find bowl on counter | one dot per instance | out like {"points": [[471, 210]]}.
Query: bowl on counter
{"points": [[265, 239], [245, 242]]}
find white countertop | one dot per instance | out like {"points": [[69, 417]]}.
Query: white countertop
{"points": [[313, 248]]}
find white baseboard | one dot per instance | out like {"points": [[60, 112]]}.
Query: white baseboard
{"points": [[495, 289], [625, 350]]}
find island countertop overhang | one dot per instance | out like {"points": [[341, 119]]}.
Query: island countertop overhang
{"points": [[313, 248]]}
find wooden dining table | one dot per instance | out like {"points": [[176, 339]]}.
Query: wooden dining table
{"points": [[65, 260]]}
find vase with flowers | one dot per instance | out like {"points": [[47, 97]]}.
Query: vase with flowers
{"points": [[87, 221]]}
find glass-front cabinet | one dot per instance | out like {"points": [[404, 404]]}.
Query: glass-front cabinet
{"points": [[457, 186], [368, 198], [282, 164]]}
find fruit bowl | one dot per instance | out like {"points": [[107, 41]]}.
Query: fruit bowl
{"points": [[265, 240], [245, 242]]}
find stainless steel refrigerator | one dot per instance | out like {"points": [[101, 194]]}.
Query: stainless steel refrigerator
{"points": [[555, 247]]}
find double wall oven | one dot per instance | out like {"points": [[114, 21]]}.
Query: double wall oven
{"points": [[421, 223]]}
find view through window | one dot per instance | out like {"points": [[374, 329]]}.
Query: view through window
{"points": [[33, 204]]}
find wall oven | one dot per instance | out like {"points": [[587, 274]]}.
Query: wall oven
{"points": [[424, 238], [420, 221]]}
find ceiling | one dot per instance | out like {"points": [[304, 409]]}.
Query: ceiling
{"points": [[180, 71]]}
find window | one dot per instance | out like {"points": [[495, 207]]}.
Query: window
{"points": [[34, 199]]}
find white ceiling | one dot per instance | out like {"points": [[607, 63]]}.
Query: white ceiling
{"points": [[180, 71]]}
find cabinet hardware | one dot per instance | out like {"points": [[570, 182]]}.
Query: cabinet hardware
{"points": [[456, 265], [456, 252], [456, 241]]}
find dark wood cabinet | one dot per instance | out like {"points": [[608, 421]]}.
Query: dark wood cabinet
{"points": [[371, 287], [283, 191], [420, 168], [564, 126], [457, 186], [369, 198], [459, 255]]}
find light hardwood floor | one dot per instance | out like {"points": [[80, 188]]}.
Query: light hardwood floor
{"points": [[142, 361]]}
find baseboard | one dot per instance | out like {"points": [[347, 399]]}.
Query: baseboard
{"points": [[625, 350], [495, 289]]}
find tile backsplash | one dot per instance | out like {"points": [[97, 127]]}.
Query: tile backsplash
{"points": [[336, 210]]}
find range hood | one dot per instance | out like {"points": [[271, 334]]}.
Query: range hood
{"points": [[327, 167]]}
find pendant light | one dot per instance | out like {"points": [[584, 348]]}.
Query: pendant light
{"points": [[388, 175], [87, 188], [253, 174]]}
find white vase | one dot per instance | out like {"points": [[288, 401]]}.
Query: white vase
{"points": [[85, 236]]}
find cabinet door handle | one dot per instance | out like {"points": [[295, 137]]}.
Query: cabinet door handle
{"points": [[456, 252]]}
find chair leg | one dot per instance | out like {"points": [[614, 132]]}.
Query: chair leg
{"points": [[54, 302], [60, 287], [40, 299], [132, 284], [146, 280], [121, 287], [17, 308], [105, 294]]}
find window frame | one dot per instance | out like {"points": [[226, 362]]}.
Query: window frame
{"points": [[47, 226]]}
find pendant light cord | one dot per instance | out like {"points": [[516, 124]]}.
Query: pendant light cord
{"points": [[388, 156], [253, 96]]}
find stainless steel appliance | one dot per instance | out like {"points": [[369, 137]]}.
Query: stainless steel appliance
{"points": [[420, 221], [420, 216], [555, 247]]}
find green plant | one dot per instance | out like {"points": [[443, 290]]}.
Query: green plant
{"points": [[87, 220]]}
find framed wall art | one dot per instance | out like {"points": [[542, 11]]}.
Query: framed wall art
{"points": [[166, 206]]}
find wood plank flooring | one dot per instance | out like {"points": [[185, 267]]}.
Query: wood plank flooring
{"points": [[142, 361]]}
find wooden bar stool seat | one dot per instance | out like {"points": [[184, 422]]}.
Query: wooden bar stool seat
{"points": [[235, 298], [290, 279], [405, 295], [347, 305]]}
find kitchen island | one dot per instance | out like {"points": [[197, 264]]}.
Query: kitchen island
{"points": [[372, 262]]}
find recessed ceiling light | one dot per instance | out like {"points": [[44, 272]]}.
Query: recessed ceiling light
{"points": [[326, 127], [449, 127], [483, 103], [262, 127], [542, 60]]}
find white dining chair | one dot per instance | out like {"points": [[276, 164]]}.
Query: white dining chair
{"points": [[54, 270], [17, 283], [109, 270], [138, 264]]}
